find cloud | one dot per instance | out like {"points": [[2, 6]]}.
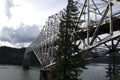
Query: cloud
{"points": [[8, 5], [24, 34]]}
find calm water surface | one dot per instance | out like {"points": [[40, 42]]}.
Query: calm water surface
{"points": [[95, 72], [9, 72]]}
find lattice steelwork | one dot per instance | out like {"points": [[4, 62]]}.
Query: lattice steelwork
{"points": [[43, 46], [99, 22]]}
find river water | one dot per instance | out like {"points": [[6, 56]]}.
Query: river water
{"points": [[10, 72]]}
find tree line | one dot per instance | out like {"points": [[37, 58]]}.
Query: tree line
{"points": [[15, 56]]}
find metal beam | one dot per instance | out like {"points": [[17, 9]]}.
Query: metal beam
{"points": [[102, 42], [98, 26], [84, 5], [117, 43], [88, 23], [37, 56]]}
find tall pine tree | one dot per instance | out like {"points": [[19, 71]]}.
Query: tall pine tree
{"points": [[68, 66], [113, 69]]}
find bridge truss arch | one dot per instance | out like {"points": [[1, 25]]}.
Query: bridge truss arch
{"points": [[99, 30]]}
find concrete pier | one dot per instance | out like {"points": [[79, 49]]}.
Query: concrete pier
{"points": [[44, 75]]}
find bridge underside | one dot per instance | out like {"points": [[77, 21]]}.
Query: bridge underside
{"points": [[104, 29]]}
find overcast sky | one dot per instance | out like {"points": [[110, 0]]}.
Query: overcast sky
{"points": [[21, 20]]}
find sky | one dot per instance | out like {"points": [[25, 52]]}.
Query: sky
{"points": [[22, 20]]}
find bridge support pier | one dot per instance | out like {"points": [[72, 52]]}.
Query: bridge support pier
{"points": [[26, 61], [44, 75], [26, 64]]}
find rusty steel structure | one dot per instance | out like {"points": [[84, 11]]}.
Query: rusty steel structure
{"points": [[99, 23]]}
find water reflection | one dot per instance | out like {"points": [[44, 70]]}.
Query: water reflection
{"points": [[17, 73], [113, 68], [25, 75], [94, 72]]}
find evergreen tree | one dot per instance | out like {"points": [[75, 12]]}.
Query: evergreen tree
{"points": [[68, 66], [113, 69]]}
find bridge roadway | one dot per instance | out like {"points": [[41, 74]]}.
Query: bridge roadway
{"points": [[44, 46]]}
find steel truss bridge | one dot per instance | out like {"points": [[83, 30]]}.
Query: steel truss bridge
{"points": [[99, 23]]}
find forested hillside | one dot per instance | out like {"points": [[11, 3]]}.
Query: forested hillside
{"points": [[15, 56]]}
